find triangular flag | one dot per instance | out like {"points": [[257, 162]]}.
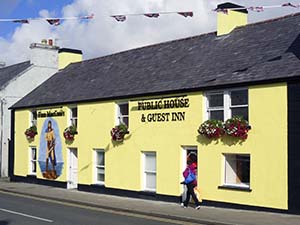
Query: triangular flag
{"points": [[290, 4], [119, 18], [54, 22], [257, 8], [186, 14], [88, 17], [152, 15], [21, 21]]}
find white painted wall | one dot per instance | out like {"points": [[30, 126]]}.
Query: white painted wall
{"points": [[45, 64]]}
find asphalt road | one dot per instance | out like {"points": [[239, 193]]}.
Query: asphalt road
{"points": [[18, 210]]}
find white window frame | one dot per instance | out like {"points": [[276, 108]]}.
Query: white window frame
{"points": [[242, 185], [145, 172], [33, 121], [120, 116], [73, 120], [31, 160], [96, 166], [226, 103]]}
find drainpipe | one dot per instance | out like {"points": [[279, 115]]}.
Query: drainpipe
{"points": [[2, 102]]}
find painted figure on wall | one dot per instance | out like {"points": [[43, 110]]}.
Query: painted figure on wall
{"points": [[50, 152], [50, 157]]}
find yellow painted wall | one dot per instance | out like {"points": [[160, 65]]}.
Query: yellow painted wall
{"points": [[267, 145], [227, 22], [65, 58]]}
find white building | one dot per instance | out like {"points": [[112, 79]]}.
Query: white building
{"points": [[18, 80]]}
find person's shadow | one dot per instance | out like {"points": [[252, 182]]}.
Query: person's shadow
{"points": [[4, 222]]}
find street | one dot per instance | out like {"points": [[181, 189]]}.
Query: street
{"points": [[18, 210]]}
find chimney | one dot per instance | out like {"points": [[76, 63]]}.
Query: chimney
{"points": [[67, 56], [44, 55], [226, 22]]}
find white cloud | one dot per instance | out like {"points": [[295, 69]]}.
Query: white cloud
{"points": [[103, 35]]}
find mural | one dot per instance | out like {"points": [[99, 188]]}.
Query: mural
{"points": [[50, 155]]}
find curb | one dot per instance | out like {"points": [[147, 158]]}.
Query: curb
{"points": [[163, 216]]}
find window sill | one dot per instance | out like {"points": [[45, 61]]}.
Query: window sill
{"points": [[235, 188]]}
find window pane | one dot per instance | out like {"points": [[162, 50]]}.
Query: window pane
{"points": [[100, 158], [243, 112], [239, 97], [34, 115], [124, 120], [123, 109], [215, 100], [150, 162], [33, 167], [237, 169], [216, 115], [150, 181], [33, 153], [74, 112], [100, 177]]}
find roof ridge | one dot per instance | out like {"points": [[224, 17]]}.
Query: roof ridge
{"points": [[269, 20], [28, 61]]}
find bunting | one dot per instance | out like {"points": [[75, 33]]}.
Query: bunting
{"points": [[20, 21], [54, 22], [186, 14], [122, 18], [51, 21], [119, 18], [152, 15], [257, 8]]}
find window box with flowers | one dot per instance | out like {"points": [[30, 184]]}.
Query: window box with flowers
{"points": [[237, 127], [118, 132], [69, 133], [31, 132], [212, 129]]}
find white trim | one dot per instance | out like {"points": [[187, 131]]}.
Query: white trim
{"points": [[69, 185], [148, 172], [119, 116], [95, 173], [227, 113], [223, 182], [30, 160]]}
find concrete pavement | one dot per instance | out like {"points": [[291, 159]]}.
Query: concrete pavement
{"points": [[206, 215]]}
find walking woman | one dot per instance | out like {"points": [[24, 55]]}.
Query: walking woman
{"points": [[190, 181]]}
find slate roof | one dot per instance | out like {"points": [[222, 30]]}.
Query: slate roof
{"points": [[266, 52], [11, 72]]}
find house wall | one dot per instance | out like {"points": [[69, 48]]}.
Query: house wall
{"points": [[14, 91], [266, 144]]}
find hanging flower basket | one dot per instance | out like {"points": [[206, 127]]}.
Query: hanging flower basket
{"points": [[31, 132], [237, 127], [118, 132], [212, 129], [70, 132]]}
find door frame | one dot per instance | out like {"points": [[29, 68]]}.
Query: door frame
{"points": [[69, 168]]}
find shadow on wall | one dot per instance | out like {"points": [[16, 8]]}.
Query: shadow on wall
{"points": [[4, 222], [225, 140]]}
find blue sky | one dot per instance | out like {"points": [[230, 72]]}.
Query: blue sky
{"points": [[26, 9], [103, 35]]}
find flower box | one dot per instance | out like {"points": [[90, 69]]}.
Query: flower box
{"points": [[237, 127], [31, 132], [69, 133], [212, 129], [118, 132]]}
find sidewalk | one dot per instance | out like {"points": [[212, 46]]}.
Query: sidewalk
{"points": [[206, 215]]}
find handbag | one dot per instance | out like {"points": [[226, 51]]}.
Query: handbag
{"points": [[190, 178]]}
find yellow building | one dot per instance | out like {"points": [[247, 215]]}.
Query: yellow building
{"points": [[163, 93]]}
